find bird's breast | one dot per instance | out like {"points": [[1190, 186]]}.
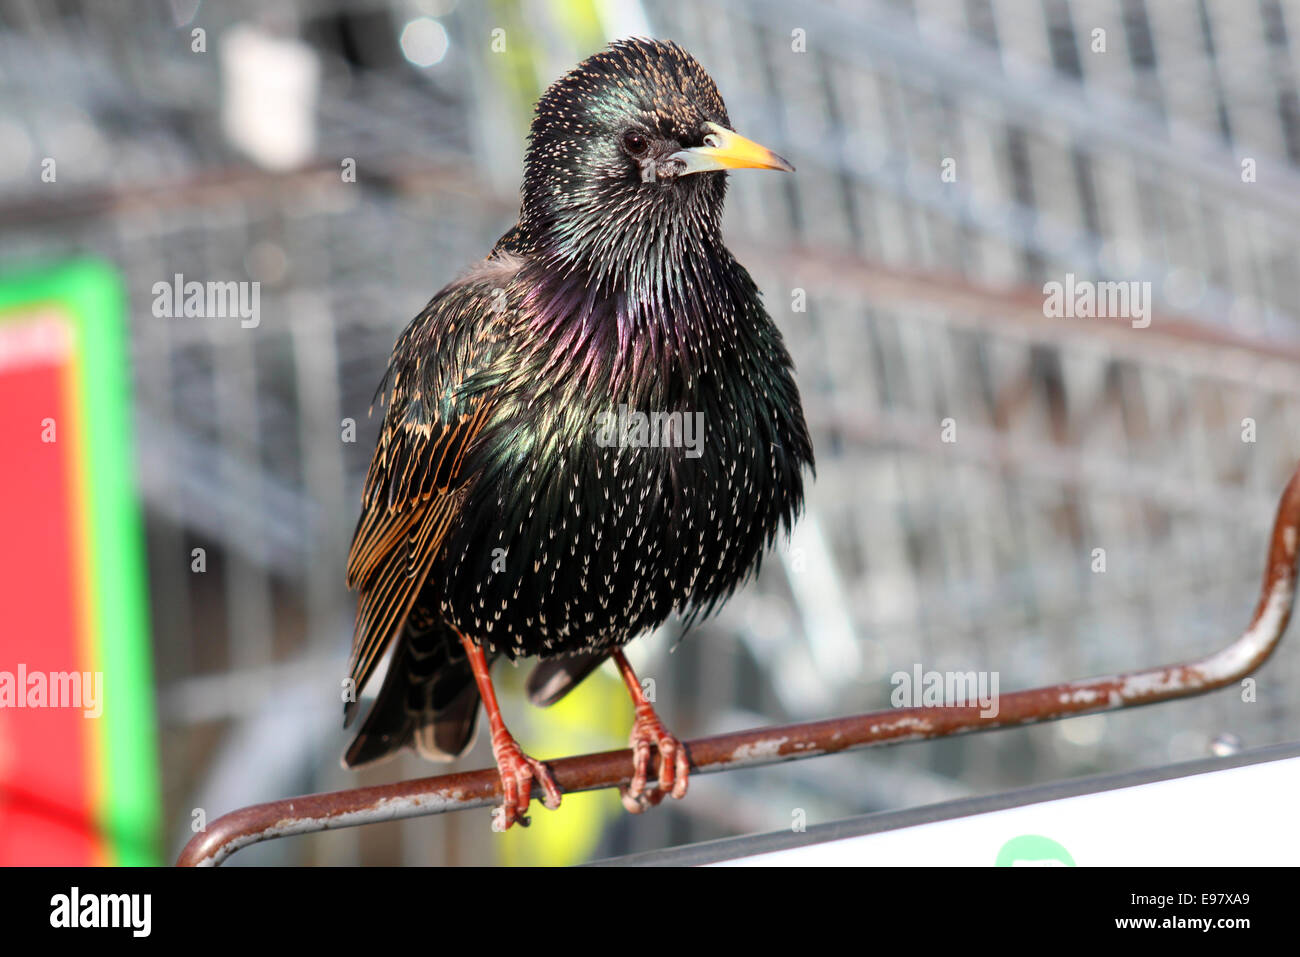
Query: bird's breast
{"points": [[598, 512]]}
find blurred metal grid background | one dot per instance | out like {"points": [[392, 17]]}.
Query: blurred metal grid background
{"points": [[923, 303]]}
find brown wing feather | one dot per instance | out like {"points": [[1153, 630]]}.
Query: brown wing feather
{"points": [[396, 545], [406, 472], [415, 483], [387, 600]]}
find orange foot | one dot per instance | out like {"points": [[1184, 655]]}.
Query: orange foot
{"points": [[674, 763], [518, 772]]}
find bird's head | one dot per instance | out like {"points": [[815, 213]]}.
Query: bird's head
{"points": [[626, 160]]}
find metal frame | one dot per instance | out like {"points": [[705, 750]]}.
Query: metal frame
{"points": [[457, 792]]}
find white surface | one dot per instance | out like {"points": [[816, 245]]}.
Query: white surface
{"points": [[1242, 816], [268, 101]]}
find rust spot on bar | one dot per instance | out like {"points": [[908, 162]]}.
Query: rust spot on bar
{"points": [[455, 792]]}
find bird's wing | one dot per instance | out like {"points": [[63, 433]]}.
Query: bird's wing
{"points": [[438, 398]]}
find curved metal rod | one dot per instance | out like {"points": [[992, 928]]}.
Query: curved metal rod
{"points": [[454, 792]]}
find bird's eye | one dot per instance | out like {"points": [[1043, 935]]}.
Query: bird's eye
{"points": [[635, 143]]}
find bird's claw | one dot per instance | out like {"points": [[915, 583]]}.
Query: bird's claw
{"points": [[674, 763], [518, 772]]}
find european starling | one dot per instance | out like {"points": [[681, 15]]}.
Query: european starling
{"points": [[594, 428]]}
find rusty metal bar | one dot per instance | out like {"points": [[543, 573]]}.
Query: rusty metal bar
{"points": [[455, 792]]}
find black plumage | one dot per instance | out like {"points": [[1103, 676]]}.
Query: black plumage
{"points": [[498, 516]]}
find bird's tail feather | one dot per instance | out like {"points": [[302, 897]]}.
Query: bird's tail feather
{"points": [[553, 678], [428, 701]]}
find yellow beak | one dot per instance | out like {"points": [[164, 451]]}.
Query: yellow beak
{"points": [[727, 149]]}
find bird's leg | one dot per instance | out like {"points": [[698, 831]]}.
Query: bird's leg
{"points": [[516, 768], [648, 730]]}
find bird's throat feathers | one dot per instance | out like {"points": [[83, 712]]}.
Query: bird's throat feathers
{"points": [[641, 322], [643, 243]]}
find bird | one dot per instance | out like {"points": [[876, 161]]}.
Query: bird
{"points": [[536, 490]]}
